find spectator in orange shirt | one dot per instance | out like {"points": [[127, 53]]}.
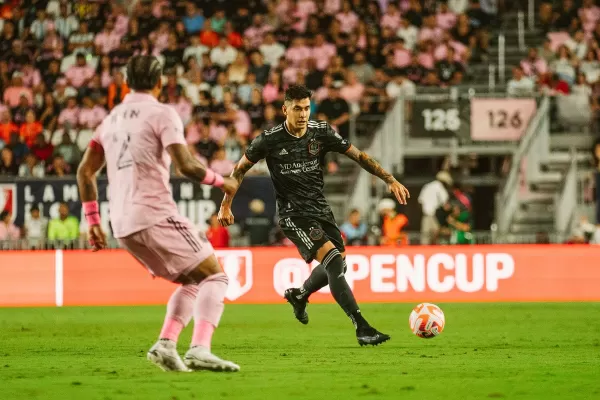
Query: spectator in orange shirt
{"points": [[208, 37], [392, 225], [117, 90], [6, 126], [30, 128]]}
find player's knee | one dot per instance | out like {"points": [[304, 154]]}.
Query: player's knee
{"points": [[334, 263], [324, 250]]}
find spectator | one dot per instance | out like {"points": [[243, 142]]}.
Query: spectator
{"points": [[354, 230], [80, 74], [31, 167], [68, 151], [392, 224], [238, 70], [220, 164], [59, 167], [107, 40], [8, 164], [223, 54], [117, 91], [66, 23], [196, 50], [546, 52], [338, 110], [65, 227], [30, 128], [49, 112], [206, 147], [448, 69], [519, 85], [208, 37], [216, 234], [258, 225], [91, 114], [36, 228], [400, 86], [577, 45], [20, 110], [7, 126], [81, 41], [460, 221], [444, 233], [363, 70], [271, 50], [17, 146], [12, 94], [41, 149], [8, 230], [590, 66], [259, 68], [352, 91], [534, 65], [563, 66], [194, 19], [433, 195], [70, 115]]}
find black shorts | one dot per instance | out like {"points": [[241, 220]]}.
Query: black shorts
{"points": [[309, 234]]}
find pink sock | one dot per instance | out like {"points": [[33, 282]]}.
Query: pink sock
{"points": [[208, 308], [179, 311]]}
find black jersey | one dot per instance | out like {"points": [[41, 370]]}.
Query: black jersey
{"points": [[296, 165]]}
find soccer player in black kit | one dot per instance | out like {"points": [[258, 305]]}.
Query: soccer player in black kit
{"points": [[295, 151]]}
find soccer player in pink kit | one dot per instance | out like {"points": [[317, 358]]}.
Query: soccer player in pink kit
{"points": [[137, 141]]}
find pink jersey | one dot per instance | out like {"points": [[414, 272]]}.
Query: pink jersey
{"points": [[134, 137]]}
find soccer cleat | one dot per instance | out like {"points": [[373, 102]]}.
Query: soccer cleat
{"points": [[164, 354], [295, 298], [370, 336], [200, 358]]}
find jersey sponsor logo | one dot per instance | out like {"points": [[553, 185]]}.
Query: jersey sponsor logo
{"points": [[8, 199], [283, 152], [314, 147], [315, 234], [237, 265], [298, 167]]}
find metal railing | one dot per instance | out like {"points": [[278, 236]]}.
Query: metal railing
{"points": [[566, 200], [529, 151]]}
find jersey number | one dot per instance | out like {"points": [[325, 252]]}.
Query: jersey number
{"points": [[125, 160]]}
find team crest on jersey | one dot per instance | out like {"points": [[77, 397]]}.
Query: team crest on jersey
{"points": [[237, 265], [315, 234], [8, 199], [314, 147]]}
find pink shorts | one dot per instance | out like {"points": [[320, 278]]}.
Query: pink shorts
{"points": [[168, 249]]}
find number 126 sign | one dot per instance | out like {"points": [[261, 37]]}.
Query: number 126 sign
{"points": [[500, 119]]}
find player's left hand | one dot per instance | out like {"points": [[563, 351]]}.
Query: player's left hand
{"points": [[97, 238], [401, 193]]}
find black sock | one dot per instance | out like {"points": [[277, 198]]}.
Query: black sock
{"points": [[317, 280], [334, 265]]}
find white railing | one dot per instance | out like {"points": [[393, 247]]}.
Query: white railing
{"points": [[492, 77], [502, 58], [521, 29], [531, 14], [565, 202], [508, 200]]}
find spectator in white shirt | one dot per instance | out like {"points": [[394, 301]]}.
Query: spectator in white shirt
{"points": [[519, 85], [36, 227], [195, 49], [223, 54], [271, 50], [65, 23], [400, 86], [577, 45], [433, 195], [408, 32]]}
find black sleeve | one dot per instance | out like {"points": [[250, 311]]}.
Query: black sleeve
{"points": [[257, 150], [332, 141]]}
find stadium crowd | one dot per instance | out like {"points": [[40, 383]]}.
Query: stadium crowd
{"points": [[226, 66]]}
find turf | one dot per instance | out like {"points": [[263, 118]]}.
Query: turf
{"points": [[513, 351]]}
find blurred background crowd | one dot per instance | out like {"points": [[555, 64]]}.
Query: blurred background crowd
{"points": [[228, 62]]}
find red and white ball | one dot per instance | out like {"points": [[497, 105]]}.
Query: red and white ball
{"points": [[427, 320]]}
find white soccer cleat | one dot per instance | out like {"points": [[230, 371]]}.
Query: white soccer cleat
{"points": [[200, 358], [164, 354]]}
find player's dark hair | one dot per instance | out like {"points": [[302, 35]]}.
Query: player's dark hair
{"points": [[143, 72], [297, 92]]}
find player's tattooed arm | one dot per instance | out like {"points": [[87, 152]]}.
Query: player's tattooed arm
{"points": [[369, 164], [373, 167], [93, 161], [240, 170]]}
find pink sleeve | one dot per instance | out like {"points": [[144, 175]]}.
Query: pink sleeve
{"points": [[170, 127]]}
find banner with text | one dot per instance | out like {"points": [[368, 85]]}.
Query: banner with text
{"points": [[260, 275], [440, 119], [196, 202]]}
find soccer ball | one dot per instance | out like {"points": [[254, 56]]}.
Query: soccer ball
{"points": [[426, 320]]}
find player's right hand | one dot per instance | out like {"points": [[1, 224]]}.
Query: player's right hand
{"points": [[97, 238], [230, 185], [225, 216]]}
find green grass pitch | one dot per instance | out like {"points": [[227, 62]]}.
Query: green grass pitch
{"points": [[509, 351]]}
